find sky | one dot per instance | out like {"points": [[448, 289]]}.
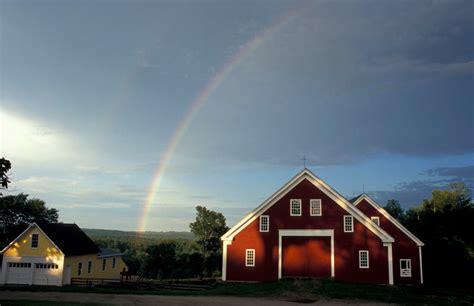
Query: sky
{"points": [[127, 114]]}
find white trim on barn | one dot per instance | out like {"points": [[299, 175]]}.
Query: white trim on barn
{"points": [[390, 262], [329, 191], [421, 265], [389, 217]]}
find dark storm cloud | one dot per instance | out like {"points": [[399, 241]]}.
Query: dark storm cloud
{"points": [[343, 83]]}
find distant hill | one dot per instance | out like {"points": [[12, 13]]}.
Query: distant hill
{"points": [[102, 233]]}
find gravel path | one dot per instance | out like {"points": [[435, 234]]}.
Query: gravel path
{"points": [[127, 299]]}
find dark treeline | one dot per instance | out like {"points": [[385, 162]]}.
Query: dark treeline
{"points": [[444, 223], [174, 258], [157, 258]]}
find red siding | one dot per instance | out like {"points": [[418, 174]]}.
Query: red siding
{"points": [[403, 248], [346, 245]]}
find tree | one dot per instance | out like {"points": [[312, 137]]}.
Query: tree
{"points": [[208, 227], [444, 224], [394, 209], [160, 261], [19, 210], [5, 166]]}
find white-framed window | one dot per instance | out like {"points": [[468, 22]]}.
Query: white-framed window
{"points": [[34, 241], [264, 223], [295, 207], [250, 257], [79, 269], [315, 207], [113, 263], [104, 264], [405, 267], [364, 259], [89, 267], [348, 224], [376, 220]]}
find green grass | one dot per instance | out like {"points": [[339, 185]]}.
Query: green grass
{"points": [[306, 291], [41, 303]]}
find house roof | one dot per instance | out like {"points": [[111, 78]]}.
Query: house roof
{"points": [[108, 253], [388, 216], [328, 190], [67, 237]]}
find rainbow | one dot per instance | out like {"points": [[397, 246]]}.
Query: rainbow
{"points": [[203, 96]]}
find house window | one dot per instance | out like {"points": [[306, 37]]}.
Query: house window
{"points": [[348, 224], [295, 207], [34, 241], [104, 263], [79, 269], [376, 220], [315, 207], [113, 263], [250, 257], [264, 223], [405, 267], [364, 259], [89, 267]]}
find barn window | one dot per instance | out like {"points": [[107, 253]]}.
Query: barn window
{"points": [[264, 223], [295, 207], [315, 207], [376, 220], [34, 241], [104, 263], [113, 263], [405, 267], [364, 259], [250, 257], [79, 269], [89, 267], [348, 224]]}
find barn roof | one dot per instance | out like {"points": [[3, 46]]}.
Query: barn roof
{"points": [[355, 198]]}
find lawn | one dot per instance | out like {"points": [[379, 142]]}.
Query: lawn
{"points": [[306, 291]]}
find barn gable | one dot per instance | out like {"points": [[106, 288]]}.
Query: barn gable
{"points": [[321, 185], [384, 213]]}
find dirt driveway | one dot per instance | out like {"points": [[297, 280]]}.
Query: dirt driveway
{"points": [[126, 299]]}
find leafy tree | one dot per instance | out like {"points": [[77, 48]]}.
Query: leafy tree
{"points": [[5, 166], [208, 227], [160, 261], [19, 210], [444, 224], [394, 209]]}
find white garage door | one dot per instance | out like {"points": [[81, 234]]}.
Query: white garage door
{"points": [[47, 274], [19, 273], [40, 273]]}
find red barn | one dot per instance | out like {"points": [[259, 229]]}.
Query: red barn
{"points": [[307, 229]]}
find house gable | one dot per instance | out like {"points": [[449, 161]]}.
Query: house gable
{"points": [[323, 187], [364, 199], [21, 246]]}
